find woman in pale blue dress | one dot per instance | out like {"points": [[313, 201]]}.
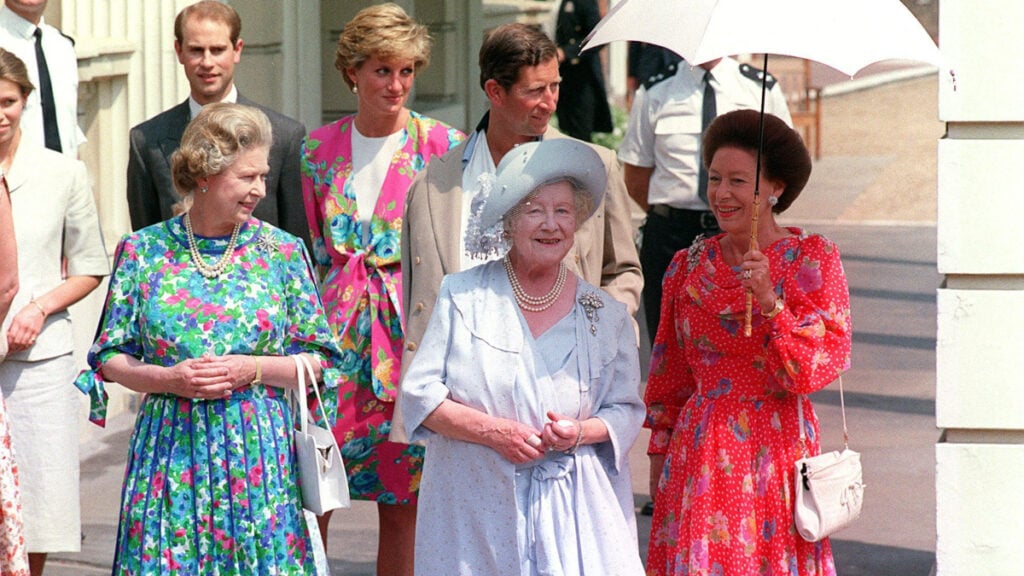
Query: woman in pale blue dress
{"points": [[525, 390]]}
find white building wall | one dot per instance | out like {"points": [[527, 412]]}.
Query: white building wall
{"points": [[980, 344]]}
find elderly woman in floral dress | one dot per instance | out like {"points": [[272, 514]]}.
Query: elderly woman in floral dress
{"points": [[203, 313]]}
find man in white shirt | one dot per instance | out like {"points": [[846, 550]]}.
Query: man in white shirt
{"points": [[21, 27], [207, 42], [662, 161]]}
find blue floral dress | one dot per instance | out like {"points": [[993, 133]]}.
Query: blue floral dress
{"points": [[210, 485]]}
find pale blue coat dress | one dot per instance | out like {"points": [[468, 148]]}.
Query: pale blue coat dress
{"points": [[561, 515]]}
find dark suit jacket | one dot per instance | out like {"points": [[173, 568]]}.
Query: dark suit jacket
{"points": [[151, 190]]}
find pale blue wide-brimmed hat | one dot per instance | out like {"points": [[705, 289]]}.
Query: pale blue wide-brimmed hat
{"points": [[524, 169], [529, 166]]}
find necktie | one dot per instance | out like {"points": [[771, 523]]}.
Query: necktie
{"points": [[50, 131], [708, 112]]}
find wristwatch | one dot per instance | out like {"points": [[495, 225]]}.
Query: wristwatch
{"points": [[779, 307], [258, 379]]}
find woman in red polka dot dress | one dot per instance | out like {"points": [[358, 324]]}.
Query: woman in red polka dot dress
{"points": [[721, 406]]}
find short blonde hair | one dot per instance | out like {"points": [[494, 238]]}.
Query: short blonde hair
{"points": [[212, 142], [384, 31]]}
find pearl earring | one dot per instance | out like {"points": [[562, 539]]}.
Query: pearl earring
{"points": [[355, 89], [203, 189], [773, 200]]}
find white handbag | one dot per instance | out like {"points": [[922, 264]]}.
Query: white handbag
{"points": [[829, 488], [322, 477]]}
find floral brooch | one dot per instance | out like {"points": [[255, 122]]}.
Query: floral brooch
{"points": [[591, 303], [267, 244]]}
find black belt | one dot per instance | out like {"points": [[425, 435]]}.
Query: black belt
{"points": [[703, 218]]}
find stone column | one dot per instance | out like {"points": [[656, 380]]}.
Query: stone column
{"points": [[980, 344]]}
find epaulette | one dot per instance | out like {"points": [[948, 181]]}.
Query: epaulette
{"points": [[756, 74], [663, 74], [70, 39]]}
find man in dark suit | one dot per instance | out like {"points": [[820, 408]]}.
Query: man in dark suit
{"points": [[206, 40]]}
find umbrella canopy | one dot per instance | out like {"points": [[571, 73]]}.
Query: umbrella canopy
{"points": [[844, 34]]}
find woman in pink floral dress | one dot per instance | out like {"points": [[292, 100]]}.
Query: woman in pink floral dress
{"points": [[722, 407], [355, 175]]}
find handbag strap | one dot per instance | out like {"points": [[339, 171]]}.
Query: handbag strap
{"points": [[302, 369], [842, 406]]}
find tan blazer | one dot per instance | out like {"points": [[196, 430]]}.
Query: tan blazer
{"points": [[604, 253]]}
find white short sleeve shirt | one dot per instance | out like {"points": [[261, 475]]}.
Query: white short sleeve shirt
{"points": [[664, 130]]}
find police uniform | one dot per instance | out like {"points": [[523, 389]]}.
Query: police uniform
{"points": [[664, 133], [16, 36], [582, 101]]}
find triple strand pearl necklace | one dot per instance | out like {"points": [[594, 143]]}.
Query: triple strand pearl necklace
{"points": [[218, 267], [534, 303]]}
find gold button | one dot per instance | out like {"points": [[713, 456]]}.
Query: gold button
{"points": [[418, 260], [420, 306], [410, 346]]}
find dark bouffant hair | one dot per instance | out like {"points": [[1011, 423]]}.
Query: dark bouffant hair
{"points": [[784, 157]]}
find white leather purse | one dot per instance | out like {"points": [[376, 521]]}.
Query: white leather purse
{"points": [[829, 488], [322, 478]]}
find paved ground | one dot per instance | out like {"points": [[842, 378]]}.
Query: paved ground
{"points": [[873, 192]]}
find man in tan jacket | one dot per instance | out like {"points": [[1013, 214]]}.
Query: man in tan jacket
{"points": [[519, 74]]}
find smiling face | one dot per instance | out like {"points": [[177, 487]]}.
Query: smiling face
{"points": [[731, 189], [233, 194], [209, 58], [527, 106], [543, 226], [383, 84], [12, 103]]}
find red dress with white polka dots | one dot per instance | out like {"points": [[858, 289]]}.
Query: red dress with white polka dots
{"points": [[722, 408]]}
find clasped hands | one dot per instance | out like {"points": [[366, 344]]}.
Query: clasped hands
{"points": [[525, 443], [211, 377]]}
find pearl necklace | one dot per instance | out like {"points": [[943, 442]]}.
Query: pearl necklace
{"points": [[534, 303], [218, 267]]}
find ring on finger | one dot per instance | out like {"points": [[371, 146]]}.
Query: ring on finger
{"points": [[746, 274]]}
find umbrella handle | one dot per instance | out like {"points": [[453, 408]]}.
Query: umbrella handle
{"points": [[749, 310]]}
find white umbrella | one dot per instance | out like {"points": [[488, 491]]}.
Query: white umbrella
{"points": [[844, 34]]}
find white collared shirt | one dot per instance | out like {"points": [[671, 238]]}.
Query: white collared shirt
{"points": [[17, 36], [194, 107], [664, 130]]}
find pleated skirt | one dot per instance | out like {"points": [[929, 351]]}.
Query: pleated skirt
{"points": [[211, 488], [44, 410]]}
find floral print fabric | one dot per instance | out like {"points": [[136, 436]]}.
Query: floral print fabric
{"points": [[13, 554], [211, 485], [722, 408], [362, 287]]}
